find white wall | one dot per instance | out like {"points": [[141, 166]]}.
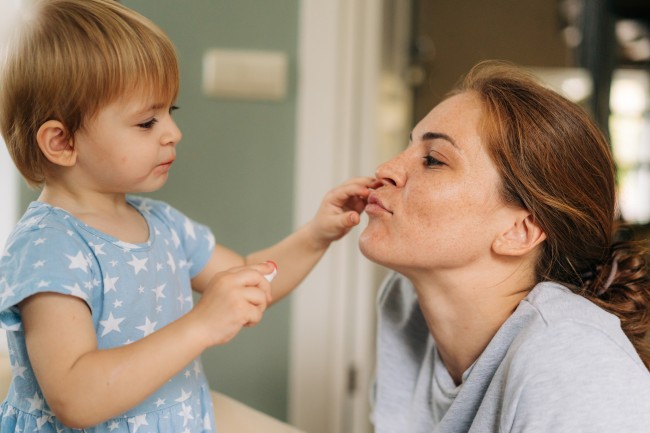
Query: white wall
{"points": [[8, 176], [8, 208], [8, 194]]}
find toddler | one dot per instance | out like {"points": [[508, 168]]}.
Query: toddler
{"points": [[95, 281]]}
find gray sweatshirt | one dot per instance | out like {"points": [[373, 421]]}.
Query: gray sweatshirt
{"points": [[558, 364]]}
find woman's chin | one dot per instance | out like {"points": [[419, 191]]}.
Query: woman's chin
{"points": [[367, 247], [365, 251]]}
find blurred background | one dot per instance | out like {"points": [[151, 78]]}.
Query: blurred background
{"points": [[281, 100]]}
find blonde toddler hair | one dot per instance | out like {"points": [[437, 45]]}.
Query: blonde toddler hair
{"points": [[66, 59]]}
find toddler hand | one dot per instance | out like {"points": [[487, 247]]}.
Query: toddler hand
{"points": [[341, 208], [235, 298]]}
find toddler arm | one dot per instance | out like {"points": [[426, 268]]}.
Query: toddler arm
{"points": [[84, 385], [299, 252]]}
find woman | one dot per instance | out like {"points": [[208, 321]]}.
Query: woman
{"points": [[513, 308]]}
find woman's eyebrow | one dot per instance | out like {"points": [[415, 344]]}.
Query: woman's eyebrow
{"points": [[428, 136]]}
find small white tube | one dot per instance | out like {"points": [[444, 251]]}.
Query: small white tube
{"points": [[269, 277]]}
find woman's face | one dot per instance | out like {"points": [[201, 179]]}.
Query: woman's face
{"points": [[439, 205]]}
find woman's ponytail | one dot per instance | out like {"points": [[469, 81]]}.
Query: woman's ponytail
{"points": [[621, 286]]}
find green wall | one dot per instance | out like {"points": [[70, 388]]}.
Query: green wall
{"points": [[234, 171]]}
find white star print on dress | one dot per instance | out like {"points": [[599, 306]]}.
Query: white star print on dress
{"points": [[18, 370], [138, 264], [131, 290], [148, 327], [138, 421], [76, 291], [111, 324], [98, 248], [8, 292], [78, 262], [159, 291], [109, 283]]}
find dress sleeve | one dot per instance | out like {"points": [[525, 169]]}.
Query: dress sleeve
{"points": [[44, 260]]}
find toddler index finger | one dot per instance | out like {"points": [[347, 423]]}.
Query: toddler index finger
{"points": [[365, 181]]}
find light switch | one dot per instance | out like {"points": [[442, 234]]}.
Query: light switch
{"points": [[245, 74]]}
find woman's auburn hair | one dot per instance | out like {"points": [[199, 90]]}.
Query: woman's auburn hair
{"points": [[66, 59], [554, 161]]}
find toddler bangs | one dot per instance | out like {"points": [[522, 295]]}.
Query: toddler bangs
{"points": [[117, 52], [69, 58]]}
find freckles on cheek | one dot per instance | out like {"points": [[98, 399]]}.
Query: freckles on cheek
{"points": [[423, 209]]}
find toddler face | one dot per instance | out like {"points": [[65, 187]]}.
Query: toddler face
{"points": [[128, 146]]}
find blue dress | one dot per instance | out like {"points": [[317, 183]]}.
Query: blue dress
{"points": [[131, 290]]}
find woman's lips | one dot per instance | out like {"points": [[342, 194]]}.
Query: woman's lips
{"points": [[375, 205]]}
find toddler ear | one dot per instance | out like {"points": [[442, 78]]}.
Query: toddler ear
{"points": [[521, 237], [56, 144]]}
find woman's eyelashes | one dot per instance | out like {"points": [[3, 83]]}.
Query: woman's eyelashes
{"points": [[431, 161]]}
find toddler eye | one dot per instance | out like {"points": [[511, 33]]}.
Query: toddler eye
{"points": [[430, 161], [148, 124]]}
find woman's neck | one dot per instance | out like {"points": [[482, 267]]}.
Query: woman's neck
{"points": [[463, 314]]}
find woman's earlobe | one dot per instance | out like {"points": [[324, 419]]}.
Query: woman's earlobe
{"points": [[521, 238], [56, 143]]}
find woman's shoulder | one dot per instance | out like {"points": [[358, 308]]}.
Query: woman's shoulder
{"points": [[568, 331], [555, 304], [570, 366]]}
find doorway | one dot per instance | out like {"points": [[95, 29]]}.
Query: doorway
{"points": [[354, 110]]}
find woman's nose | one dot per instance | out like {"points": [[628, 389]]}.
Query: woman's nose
{"points": [[392, 172]]}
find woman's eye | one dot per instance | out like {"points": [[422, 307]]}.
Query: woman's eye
{"points": [[173, 108], [148, 124], [430, 161]]}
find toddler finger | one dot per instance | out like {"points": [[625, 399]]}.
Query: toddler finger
{"points": [[256, 296], [269, 270], [255, 316]]}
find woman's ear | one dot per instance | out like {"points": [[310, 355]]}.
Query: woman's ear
{"points": [[56, 143], [521, 237]]}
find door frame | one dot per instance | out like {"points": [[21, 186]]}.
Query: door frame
{"points": [[332, 313]]}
